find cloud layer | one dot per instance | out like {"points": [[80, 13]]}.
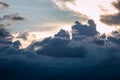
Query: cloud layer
{"points": [[59, 57], [83, 56]]}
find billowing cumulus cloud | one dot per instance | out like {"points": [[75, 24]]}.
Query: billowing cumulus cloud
{"points": [[59, 57]]}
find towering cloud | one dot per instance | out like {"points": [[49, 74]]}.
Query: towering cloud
{"points": [[79, 30]]}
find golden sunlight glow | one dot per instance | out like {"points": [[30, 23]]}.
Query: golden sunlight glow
{"points": [[33, 36], [92, 9], [105, 29], [66, 27]]}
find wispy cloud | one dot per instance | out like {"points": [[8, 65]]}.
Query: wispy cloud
{"points": [[4, 5], [112, 19]]}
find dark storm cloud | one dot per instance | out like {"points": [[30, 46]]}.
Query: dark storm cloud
{"points": [[112, 19], [61, 58], [60, 48]]}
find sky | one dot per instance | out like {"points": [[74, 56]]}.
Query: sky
{"points": [[49, 16], [40, 15], [85, 41]]}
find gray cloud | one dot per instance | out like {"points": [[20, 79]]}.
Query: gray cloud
{"points": [[62, 5], [4, 34], [9, 20], [86, 56], [79, 30], [63, 34], [14, 17], [4, 5], [112, 19]]}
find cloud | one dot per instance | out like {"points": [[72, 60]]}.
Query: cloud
{"points": [[81, 7], [60, 48], [99, 42], [4, 34], [14, 17], [88, 55], [4, 5], [79, 30], [103, 12], [10, 20], [112, 19], [23, 35], [63, 34], [65, 5], [6, 41]]}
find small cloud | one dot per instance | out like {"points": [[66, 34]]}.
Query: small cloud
{"points": [[14, 17], [4, 5], [62, 34], [23, 35]]}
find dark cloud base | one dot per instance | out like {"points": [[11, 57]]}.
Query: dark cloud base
{"points": [[34, 70], [85, 56]]}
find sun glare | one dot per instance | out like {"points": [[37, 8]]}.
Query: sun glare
{"points": [[33, 36], [105, 29], [93, 9]]}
